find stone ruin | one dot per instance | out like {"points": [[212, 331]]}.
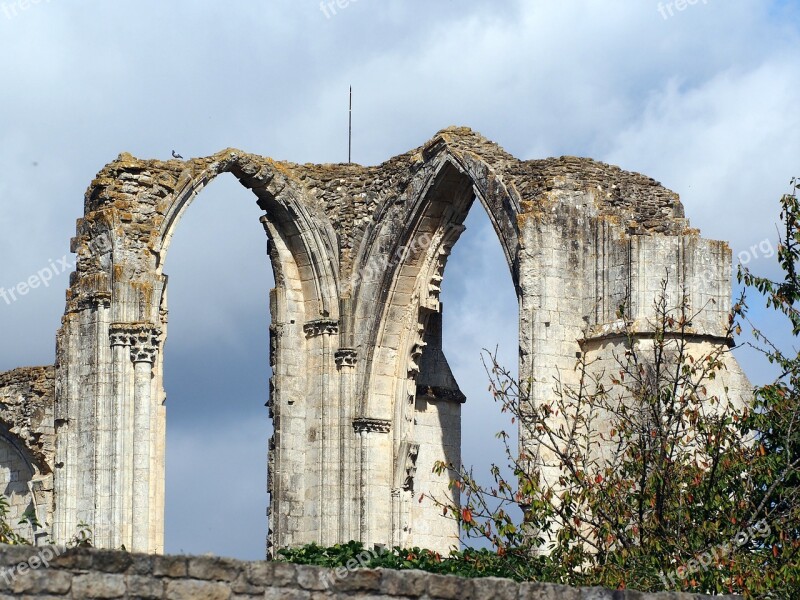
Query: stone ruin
{"points": [[362, 399]]}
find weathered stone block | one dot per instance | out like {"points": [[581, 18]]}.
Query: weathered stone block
{"points": [[217, 569], [98, 585], [493, 587], [315, 578], [403, 583], [145, 587], [278, 574], [359, 580], [170, 566], [141, 564], [547, 591], [191, 589], [111, 562], [41, 581], [11, 556], [74, 558], [449, 587], [287, 594], [595, 593]]}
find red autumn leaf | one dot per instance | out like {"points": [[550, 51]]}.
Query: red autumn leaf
{"points": [[466, 515]]}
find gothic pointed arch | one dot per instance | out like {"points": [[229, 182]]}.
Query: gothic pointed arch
{"points": [[358, 254], [410, 247]]}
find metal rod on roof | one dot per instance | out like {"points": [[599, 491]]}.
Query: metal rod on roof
{"points": [[350, 133]]}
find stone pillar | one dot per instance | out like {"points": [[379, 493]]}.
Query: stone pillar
{"points": [[346, 361], [397, 518], [374, 450], [144, 348], [136, 344], [122, 456], [326, 398], [103, 524]]}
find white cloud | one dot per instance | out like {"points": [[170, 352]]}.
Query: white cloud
{"points": [[702, 101], [728, 145]]}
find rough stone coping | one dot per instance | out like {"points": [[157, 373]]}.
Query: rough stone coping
{"points": [[90, 573]]}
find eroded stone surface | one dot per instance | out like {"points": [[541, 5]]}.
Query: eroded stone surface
{"points": [[27, 447], [361, 397], [65, 579]]}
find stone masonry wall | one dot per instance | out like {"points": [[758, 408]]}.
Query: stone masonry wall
{"points": [[49, 573], [361, 397], [27, 446]]}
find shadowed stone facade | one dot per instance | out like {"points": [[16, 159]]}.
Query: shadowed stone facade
{"points": [[362, 398], [27, 446]]}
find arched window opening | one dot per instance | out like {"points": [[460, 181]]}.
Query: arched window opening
{"points": [[217, 376], [16, 484], [480, 311]]}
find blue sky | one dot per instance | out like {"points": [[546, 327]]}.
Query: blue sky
{"points": [[703, 100]]}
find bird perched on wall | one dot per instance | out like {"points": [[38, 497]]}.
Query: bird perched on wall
{"points": [[176, 155]]}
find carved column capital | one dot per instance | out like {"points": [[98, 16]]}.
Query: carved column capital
{"points": [[144, 352], [119, 338], [346, 357], [366, 425], [321, 327], [95, 300], [143, 339]]}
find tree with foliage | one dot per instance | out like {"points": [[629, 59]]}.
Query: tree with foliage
{"points": [[7, 533], [655, 480], [627, 478], [775, 418]]}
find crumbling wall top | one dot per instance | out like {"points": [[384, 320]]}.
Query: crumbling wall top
{"points": [[348, 193], [137, 200], [26, 409]]}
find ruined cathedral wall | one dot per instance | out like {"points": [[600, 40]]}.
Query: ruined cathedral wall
{"points": [[362, 399], [584, 256], [638, 271], [27, 446]]}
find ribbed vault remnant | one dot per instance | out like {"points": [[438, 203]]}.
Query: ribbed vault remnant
{"points": [[362, 398]]}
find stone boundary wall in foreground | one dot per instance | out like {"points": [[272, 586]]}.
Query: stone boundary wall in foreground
{"points": [[50, 573]]}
